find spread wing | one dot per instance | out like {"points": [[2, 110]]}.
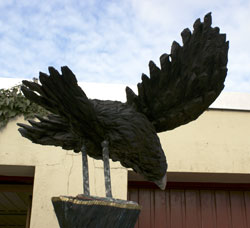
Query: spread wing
{"points": [[73, 112], [53, 130], [189, 80]]}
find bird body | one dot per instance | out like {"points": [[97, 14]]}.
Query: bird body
{"points": [[132, 138]]}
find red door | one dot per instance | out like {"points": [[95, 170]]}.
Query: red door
{"points": [[192, 205]]}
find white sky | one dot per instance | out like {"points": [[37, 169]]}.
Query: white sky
{"points": [[113, 41]]}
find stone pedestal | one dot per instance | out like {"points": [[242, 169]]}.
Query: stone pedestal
{"points": [[88, 211]]}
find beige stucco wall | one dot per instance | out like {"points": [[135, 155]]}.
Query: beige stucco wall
{"points": [[218, 142]]}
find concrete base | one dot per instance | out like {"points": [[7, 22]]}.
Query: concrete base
{"points": [[88, 211]]}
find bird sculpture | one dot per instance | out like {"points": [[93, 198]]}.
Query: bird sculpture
{"points": [[186, 84]]}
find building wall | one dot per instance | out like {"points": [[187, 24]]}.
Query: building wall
{"points": [[218, 142]]}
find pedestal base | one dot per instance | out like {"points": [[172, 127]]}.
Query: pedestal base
{"points": [[88, 211]]}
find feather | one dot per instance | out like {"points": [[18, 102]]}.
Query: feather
{"points": [[190, 78]]}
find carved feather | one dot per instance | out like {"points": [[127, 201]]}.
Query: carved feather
{"points": [[53, 130], [189, 80]]}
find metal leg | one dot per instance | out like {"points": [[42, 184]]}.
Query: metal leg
{"points": [[85, 171], [105, 154]]}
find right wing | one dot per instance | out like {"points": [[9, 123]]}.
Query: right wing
{"points": [[189, 80]]}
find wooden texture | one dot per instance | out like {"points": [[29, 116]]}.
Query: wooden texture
{"points": [[15, 201], [13, 208], [208, 206], [189, 80]]}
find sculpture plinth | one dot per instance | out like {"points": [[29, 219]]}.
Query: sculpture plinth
{"points": [[88, 211]]}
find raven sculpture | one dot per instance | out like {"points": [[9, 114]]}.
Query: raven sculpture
{"points": [[188, 81]]}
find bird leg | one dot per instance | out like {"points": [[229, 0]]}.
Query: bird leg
{"points": [[85, 171], [105, 154]]}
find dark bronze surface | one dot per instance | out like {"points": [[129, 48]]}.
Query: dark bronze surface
{"points": [[189, 80]]}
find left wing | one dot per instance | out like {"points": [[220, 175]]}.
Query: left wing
{"points": [[61, 95], [53, 130]]}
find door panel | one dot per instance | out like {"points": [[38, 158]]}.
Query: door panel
{"points": [[186, 205]]}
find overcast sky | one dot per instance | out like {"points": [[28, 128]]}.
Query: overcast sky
{"points": [[113, 41]]}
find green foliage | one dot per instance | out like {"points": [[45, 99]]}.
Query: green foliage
{"points": [[13, 103]]}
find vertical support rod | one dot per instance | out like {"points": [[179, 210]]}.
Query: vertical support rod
{"points": [[105, 154], [85, 171]]}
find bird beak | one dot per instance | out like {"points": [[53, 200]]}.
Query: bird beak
{"points": [[162, 182]]}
